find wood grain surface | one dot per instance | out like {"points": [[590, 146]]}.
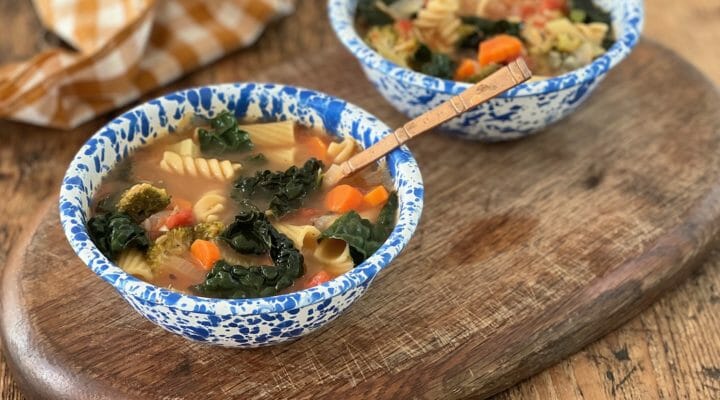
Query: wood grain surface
{"points": [[670, 351], [527, 251]]}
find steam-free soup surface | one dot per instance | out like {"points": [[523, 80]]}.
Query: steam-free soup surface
{"points": [[232, 210]]}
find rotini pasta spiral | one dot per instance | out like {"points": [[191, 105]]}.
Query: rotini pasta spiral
{"points": [[339, 152], [133, 262], [437, 24], [209, 207], [198, 167]]}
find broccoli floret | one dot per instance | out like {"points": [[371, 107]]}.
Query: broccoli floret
{"points": [[143, 200], [208, 230], [174, 243]]}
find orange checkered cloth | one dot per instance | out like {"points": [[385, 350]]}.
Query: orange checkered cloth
{"points": [[122, 49]]}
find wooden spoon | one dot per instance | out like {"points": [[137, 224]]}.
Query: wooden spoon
{"points": [[503, 79]]}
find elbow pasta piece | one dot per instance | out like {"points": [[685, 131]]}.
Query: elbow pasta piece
{"points": [[133, 262], [210, 206], [342, 151], [302, 236], [335, 254], [274, 134], [176, 164]]}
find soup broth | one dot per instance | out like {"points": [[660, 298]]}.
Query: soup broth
{"points": [[231, 210]]}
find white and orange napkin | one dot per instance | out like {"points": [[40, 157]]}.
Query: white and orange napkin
{"points": [[122, 49]]}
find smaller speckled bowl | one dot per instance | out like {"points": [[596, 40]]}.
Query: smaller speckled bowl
{"points": [[235, 323], [519, 112]]}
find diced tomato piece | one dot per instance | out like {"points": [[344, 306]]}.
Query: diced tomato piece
{"points": [[404, 26], [553, 4], [320, 277], [180, 218]]}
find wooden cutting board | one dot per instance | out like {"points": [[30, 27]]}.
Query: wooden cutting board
{"points": [[526, 252]]}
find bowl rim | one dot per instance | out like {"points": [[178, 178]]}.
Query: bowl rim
{"points": [[406, 178], [342, 22]]}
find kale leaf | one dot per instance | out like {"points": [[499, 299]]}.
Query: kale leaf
{"points": [[370, 14], [594, 13], [257, 159], [361, 235], [486, 28], [433, 64], [249, 233], [252, 233], [285, 191], [114, 232], [225, 136]]}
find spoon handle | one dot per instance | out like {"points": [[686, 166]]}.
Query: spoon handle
{"points": [[503, 79]]}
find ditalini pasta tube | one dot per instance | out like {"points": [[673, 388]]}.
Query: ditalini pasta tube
{"points": [[335, 255]]}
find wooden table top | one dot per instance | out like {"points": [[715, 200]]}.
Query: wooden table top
{"points": [[672, 350]]}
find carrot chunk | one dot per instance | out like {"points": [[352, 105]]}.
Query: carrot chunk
{"points": [[206, 252], [467, 68], [377, 196], [343, 198], [316, 148], [499, 49]]}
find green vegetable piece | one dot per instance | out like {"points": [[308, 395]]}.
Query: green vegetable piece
{"points": [[225, 136], [175, 242], [370, 14], [361, 235], [114, 232], [577, 15], [143, 200], [283, 191], [249, 234], [486, 28], [208, 230], [433, 64], [593, 13], [257, 159]]}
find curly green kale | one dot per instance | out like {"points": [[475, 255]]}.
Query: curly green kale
{"points": [[252, 233], [142, 200], [433, 64], [361, 235], [225, 136], [478, 29], [283, 191], [249, 233], [116, 231]]}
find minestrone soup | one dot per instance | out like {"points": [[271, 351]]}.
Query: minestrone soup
{"points": [[233, 210]]}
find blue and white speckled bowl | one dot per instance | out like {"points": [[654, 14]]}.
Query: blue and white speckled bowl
{"points": [[235, 323], [519, 112]]}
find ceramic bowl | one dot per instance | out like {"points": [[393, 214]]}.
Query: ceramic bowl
{"points": [[241, 322], [519, 112]]}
